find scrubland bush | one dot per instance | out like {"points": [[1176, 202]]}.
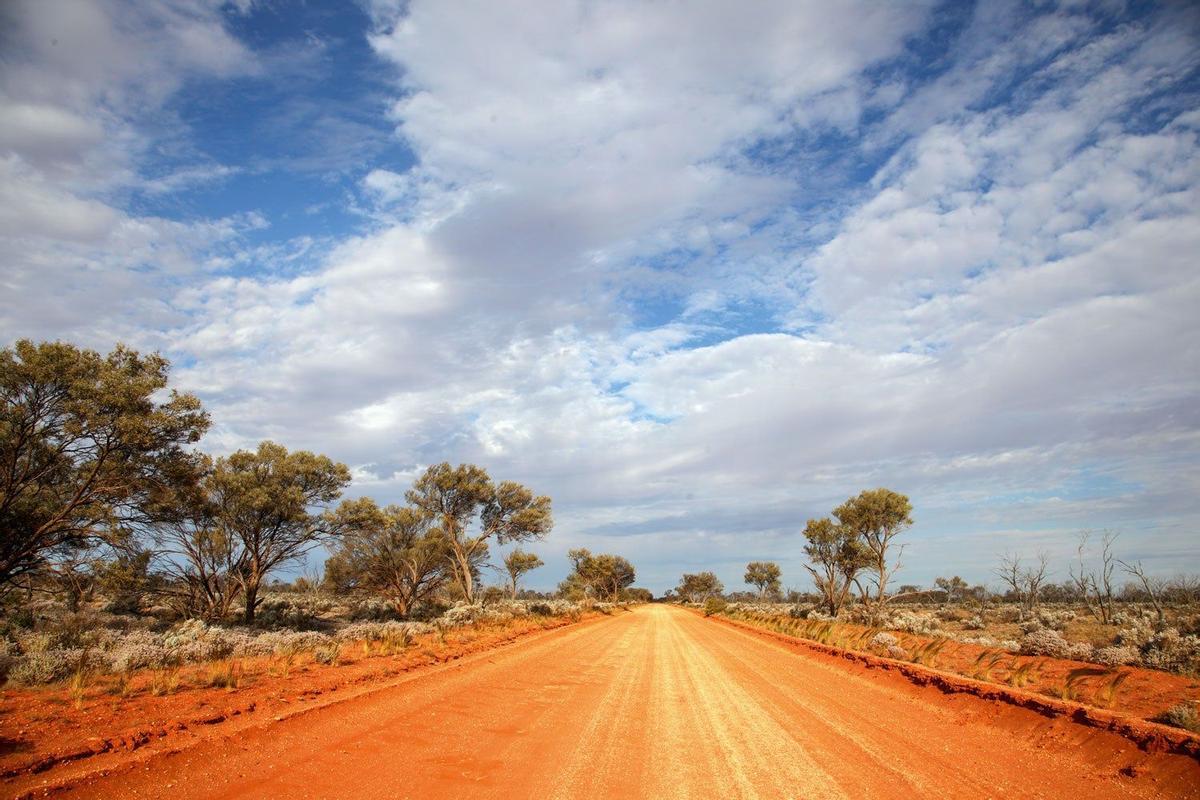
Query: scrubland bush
{"points": [[913, 622], [1184, 715], [1056, 620], [884, 642], [52, 653], [381, 631], [714, 605], [952, 614], [1171, 651], [292, 610], [1045, 642], [987, 641], [1115, 655], [44, 666], [1008, 614]]}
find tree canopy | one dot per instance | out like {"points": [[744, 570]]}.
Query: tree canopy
{"points": [[764, 576], [87, 450], [516, 564], [876, 517], [455, 496], [393, 552], [603, 575], [262, 503], [699, 587], [837, 555]]}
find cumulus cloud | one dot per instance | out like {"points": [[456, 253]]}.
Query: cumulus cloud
{"points": [[697, 272]]}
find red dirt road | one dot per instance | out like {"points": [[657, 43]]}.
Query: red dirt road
{"points": [[658, 703]]}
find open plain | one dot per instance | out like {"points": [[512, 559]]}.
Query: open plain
{"points": [[656, 703]]}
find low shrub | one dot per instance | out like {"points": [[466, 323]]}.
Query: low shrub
{"points": [[1115, 655], [1184, 715], [1169, 650], [1045, 642], [45, 666], [911, 622], [714, 605]]}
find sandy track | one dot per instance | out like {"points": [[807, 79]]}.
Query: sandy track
{"points": [[659, 703]]}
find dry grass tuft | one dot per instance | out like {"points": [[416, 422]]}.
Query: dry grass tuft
{"points": [[1021, 674]]}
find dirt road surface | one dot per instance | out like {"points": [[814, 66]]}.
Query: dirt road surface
{"points": [[658, 703]]}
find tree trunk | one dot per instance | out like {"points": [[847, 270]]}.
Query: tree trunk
{"points": [[251, 601]]}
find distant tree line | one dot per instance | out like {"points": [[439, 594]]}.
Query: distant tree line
{"points": [[853, 556], [101, 486]]}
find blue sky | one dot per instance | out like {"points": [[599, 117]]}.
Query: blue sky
{"points": [[698, 272]]}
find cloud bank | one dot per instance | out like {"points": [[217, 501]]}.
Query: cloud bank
{"points": [[698, 272]]}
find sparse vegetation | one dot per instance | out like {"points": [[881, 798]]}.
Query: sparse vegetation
{"points": [[145, 556], [1183, 715]]}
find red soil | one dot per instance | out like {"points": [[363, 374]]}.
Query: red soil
{"points": [[43, 727], [657, 703], [1145, 693]]}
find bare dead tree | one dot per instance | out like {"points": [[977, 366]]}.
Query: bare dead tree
{"points": [[1096, 587], [1152, 586], [1083, 580], [1185, 589], [1034, 578], [1010, 571]]}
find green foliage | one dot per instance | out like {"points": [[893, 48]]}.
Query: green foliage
{"points": [[517, 563], [837, 555], [393, 552], [764, 576], [1183, 715], [125, 581], [714, 605], [600, 576], [91, 454], [955, 588], [261, 503], [875, 517], [696, 588], [454, 496]]}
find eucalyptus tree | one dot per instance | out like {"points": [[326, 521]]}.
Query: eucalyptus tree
{"points": [[603, 575], [698, 587], [837, 555], [393, 552], [764, 576], [516, 564], [471, 512], [876, 517], [89, 449], [266, 505]]}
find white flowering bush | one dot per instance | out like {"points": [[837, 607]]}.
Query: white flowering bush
{"points": [[45, 666], [1058, 620], [293, 610], [381, 631], [1172, 651], [139, 650], [883, 641], [124, 645], [1116, 655], [913, 622], [992, 644], [1045, 642], [975, 623], [372, 609]]}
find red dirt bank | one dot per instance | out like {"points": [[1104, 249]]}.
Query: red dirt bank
{"points": [[658, 703]]}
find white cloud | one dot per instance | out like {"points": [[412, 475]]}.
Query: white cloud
{"points": [[998, 322]]}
